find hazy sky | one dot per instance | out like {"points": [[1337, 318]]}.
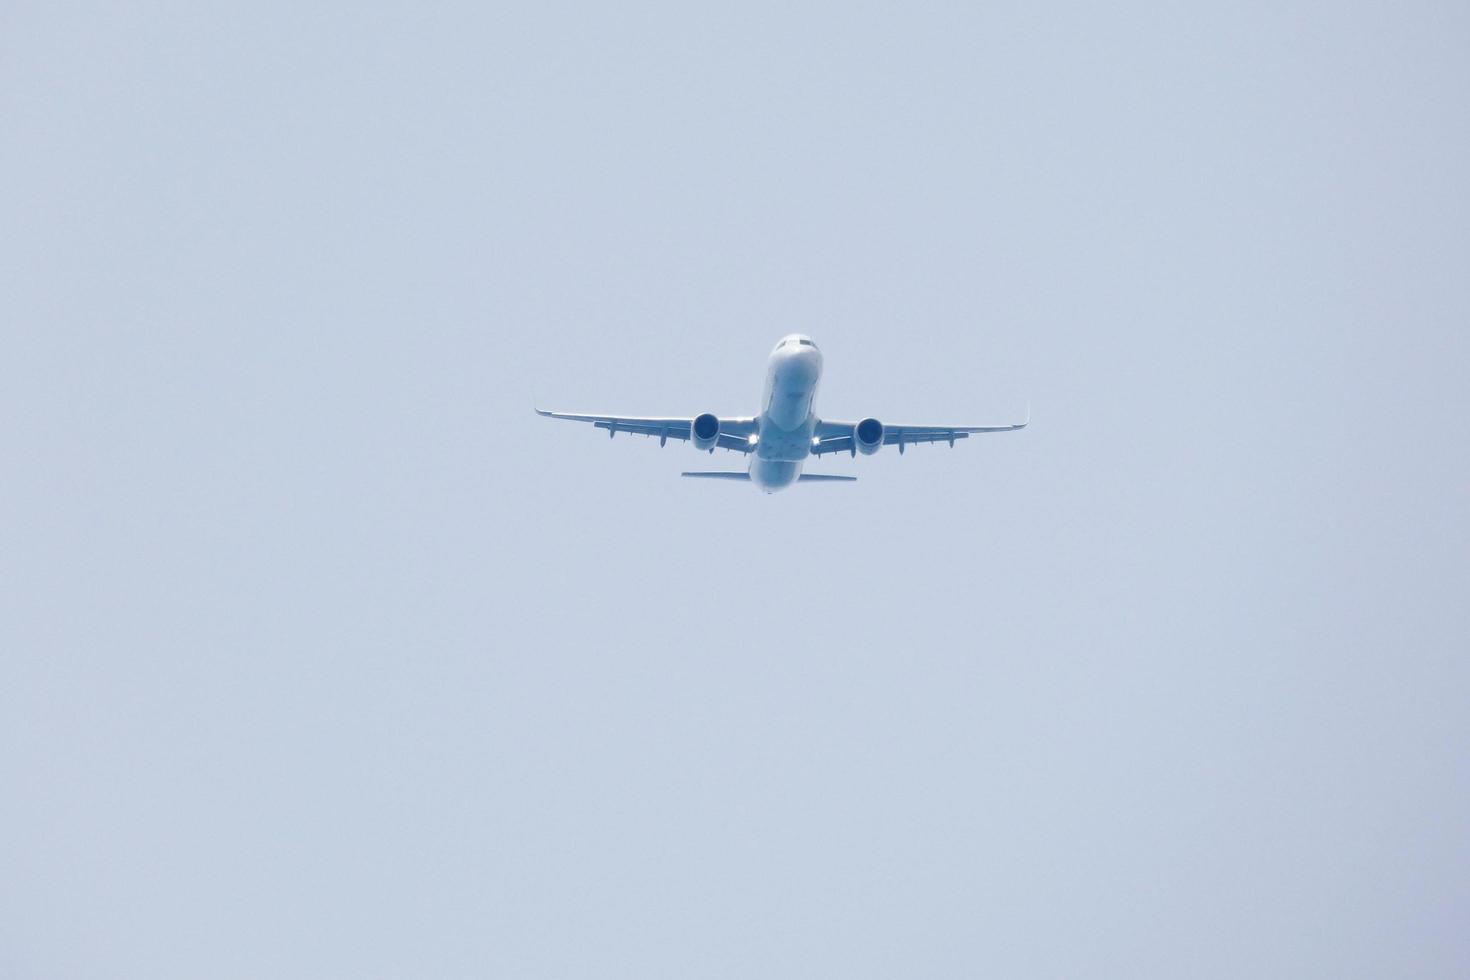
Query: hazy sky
{"points": [[321, 656]]}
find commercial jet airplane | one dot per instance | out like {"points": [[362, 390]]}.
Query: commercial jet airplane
{"points": [[787, 432]]}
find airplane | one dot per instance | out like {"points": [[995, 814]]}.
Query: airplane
{"points": [[787, 432]]}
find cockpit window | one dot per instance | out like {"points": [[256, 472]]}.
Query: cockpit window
{"points": [[806, 342]]}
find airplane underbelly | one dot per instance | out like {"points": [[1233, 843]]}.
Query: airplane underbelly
{"points": [[788, 409], [771, 475], [789, 395], [778, 445], [784, 439]]}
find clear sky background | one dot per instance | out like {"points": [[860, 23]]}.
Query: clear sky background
{"points": [[320, 655]]}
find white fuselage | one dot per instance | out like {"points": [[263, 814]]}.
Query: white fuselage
{"points": [[787, 421]]}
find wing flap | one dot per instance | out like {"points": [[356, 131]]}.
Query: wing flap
{"points": [[837, 444], [734, 432], [836, 436]]}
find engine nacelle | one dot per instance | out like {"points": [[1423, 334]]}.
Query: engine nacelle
{"points": [[867, 436], [704, 431]]}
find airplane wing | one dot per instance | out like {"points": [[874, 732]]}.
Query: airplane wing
{"points": [[734, 435], [836, 437]]}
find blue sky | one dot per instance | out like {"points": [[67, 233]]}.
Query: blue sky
{"points": [[320, 655]]}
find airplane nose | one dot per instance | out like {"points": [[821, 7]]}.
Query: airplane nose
{"points": [[803, 354], [795, 342], [800, 366]]}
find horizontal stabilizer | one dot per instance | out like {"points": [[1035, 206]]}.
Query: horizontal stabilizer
{"points": [[825, 478], [718, 475]]}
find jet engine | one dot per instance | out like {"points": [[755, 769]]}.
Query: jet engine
{"points": [[867, 436], [704, 431]]}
